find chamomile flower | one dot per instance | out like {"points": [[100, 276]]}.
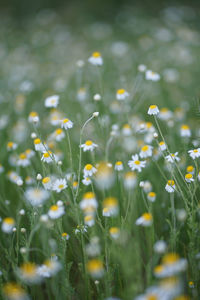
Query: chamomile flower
{"points": [[189, 178], [151, 196], [89, 200], [29, 153], [28, 272], [96, 59], [23, 161], [89, 170], [11, 146], [126, 130], [65, 236], [160, 247], [59, 185], [119, 166], [146, 151], [122, 94], [47, 184], [114, 232], [130, 180], [190, 169], [48, 157], [13, 291], [95, 268], [185, 131], [39, 146], [162, 146], [59, 135], [55, 117], [86, 181], [36, 196], [170, 186], [75, 185], [110, 207], [153, 110], [165, 114], [80, 229], [89, 220], [8, 225], [52, 101], [33, 117], [88, 146], [172, 157], [136, 164], [56, 212], [195, 153], [145, 220], [49, 268], [150, 75], [66, 124], [104, 177], [171, 265]]}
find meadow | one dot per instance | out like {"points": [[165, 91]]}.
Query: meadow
{"points": [[99, 159]]}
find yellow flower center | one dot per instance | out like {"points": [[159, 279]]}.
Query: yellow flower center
{"points": [[96, 54], [114, 230], [88, 218], [185, 127], [28, 269], [88, 167], [161, 143], [22, 156], [152, 297], [54, 207], [188, 176], [65, 120], [33, 114], [58, 131], [89, 195], [61, 186], [75, 183], [46, 154], [170, 258], [110, 202], [9, 221], [13, 291], [94, 265], [195, 150], [153, 106], [118, 163], [147, 216], [152, 194], [137, 162], [170, 182], [190, 168], [145, 148], [37, 141], [120, 91], [45, 180], [149, 125], [88, 143], [10, 144], [158, 269]]}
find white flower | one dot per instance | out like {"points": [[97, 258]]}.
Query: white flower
{"points": [[146, 151], [8, 225], [66, 124], [23, 161], [88, 146], [126, 130], [48, 157], [33, 117], [142, 68], [86, 181], [89, 220], [162, 146], [52, 101], [96, 59], [110, 207], [185, 131], [171, 265], [170, 186], [165, 114], [151, 196], [36, 196], [119, 166], [121, 94], [172, 157], [160, 247], [39, 146], [189, 178], [153, 110], [150, 75], [89, 170], [130, 180], [114, 232], [59, 185], [89, 200], [59, 134], [29, 153], [47, 184], [145, 220], [136, 164], [56, 211], [195, 153], [11, 146]]}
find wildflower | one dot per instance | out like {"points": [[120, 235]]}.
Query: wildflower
{"points": [[1, 169], [59, 185], [150, 75], [142, 68], [65, 236], [171, 265], [165, 114], [8, 225], [88, 146], [55, 117], [86, 181], [126, 130], [114, 232], [97, 97], [48, 157], [52, 101], [89, 170], [104, 177], [75, 184], [56, 211], [151, 196], [119, 166], [185, 131], [145, 220], [89, 200], [23, 161], [29, 153], [11, 146], [47, 184], [189, 178], [191, 284], [170, 186], [146, 151], [195, 153], [89, 220], [130, 180], [190, 169], [39, 146], [13, 291], [162, 146], [36, 196], [172, 157], [66, 124], [121, 94], [59, 134], [110, 207], [160, 247], [28, 273], [49, 268], [80, 229], [33, 117], [153, 110], [95, 268], [136, 164], [96, 59]]}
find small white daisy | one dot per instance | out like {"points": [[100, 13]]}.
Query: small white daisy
{"points": [[66, 124], [185, 131], [189, 178], [52, 101], [47, 184], [96, 59], [136, 164], [36, 196], [39, 146], [23, 161], [121, 94], [86, 181], [150, 75], [56, 212], [172, 157], [8, 225], [195, 153], [145, 220], [153, 110], [89, 170], [162, 146], [170, 186], [33, 117], [48, 157], [119, 166], [59, 185], [146, 151], [59, 134], [88, 146]]}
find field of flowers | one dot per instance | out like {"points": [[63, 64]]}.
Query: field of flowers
{"points": [[99, 159]]}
